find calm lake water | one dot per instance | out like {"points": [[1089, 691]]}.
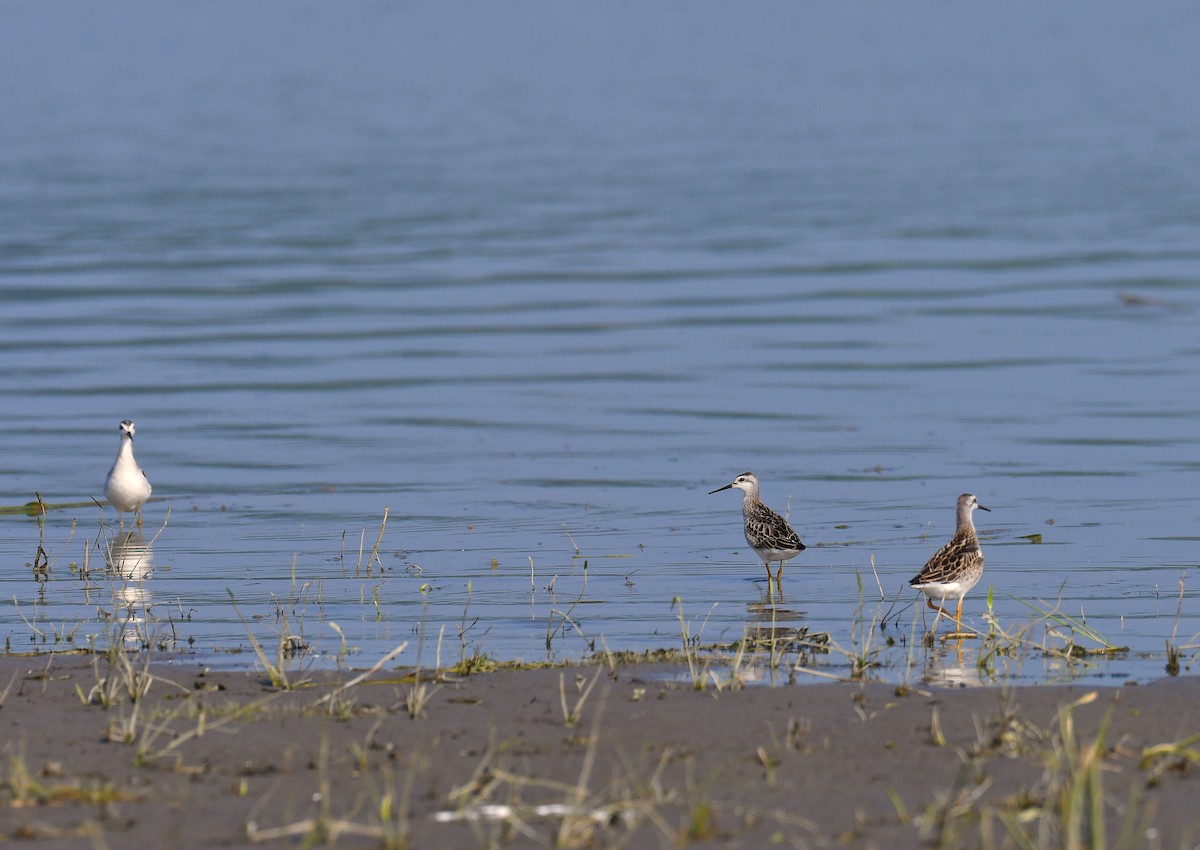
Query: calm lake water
{"points": [[533, 279]]}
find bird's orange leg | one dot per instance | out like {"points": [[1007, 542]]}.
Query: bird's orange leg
{"points": [[779, 580], [959, 634]]}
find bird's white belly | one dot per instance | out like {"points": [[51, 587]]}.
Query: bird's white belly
{"points": [[127, 492], [946, 590], [774, 555]]}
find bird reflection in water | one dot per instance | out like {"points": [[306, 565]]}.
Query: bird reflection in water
{"points": [[946, 668], [130, 560]]}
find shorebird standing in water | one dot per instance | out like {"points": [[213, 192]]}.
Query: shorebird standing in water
{"points": [[766, 531], [127, 488], [955, 568]]}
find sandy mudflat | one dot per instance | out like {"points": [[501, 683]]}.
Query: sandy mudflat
{"points": [[648, 762]]}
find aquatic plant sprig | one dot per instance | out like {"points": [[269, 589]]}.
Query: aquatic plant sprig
{"points": [[1174, 650], [565, 616], [374, 558], [690, 642], [574, 545], [862, 655], [1000, 642], [1077, 626], [162, 527], [41, 561], [277, 670]]}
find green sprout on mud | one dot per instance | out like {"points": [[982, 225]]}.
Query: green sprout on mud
{"points": [[1176, 755], [21, 788], [583, 688]]}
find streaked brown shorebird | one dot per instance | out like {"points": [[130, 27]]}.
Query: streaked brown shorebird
{"points": [[766, 531], [956, 567]]}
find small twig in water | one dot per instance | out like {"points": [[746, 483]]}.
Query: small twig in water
{"points": [[572, 539], [375, 549], [878, 583]]}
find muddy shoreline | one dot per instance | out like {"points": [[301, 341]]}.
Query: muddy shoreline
{"points": [[589, 756]]}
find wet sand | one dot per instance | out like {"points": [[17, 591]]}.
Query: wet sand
{"points": [[630, 756]]}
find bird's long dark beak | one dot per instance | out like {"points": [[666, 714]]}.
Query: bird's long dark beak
{"points": [[719, 489], [982, 508]]}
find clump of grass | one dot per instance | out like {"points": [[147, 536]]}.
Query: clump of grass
{"points": [[333, 698], [553, 630], [288, 646], [323, 827], [1008, 734], [421, 691], [1001, 644], [944, 822], [41, 561], [576, 815], [1174, 651], [583, 689], [862, 656], [148, 747], [388, 824], [477, 662], [123, 675], [697, 671], [374, 557], [466, 664], [22, 788], [1077, 628], [418, 697], [1176, 755], [50, 634], [936, 736], [1173, 656], [500, 804], [1066, 808]]}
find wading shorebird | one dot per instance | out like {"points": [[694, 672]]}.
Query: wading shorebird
{"points": [[766, 531], [955, 568], [127, 488]]}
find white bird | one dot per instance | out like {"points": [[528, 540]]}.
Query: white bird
{"points": [[127, 488]]}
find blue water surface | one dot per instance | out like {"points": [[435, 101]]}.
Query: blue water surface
{"points": [[531, 280]]}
